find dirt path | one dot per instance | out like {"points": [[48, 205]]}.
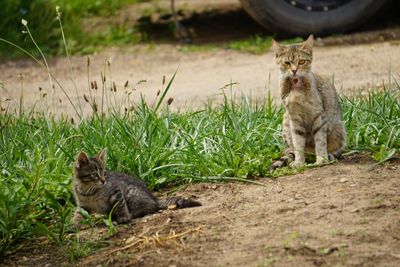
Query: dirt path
{"points": [[200, 74], [338, 215]]}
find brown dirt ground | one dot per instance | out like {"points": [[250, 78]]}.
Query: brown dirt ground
{"points": [[339, 215]]}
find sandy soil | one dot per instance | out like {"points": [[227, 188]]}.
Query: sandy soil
{"points": [[339, 215], [200, 75]]}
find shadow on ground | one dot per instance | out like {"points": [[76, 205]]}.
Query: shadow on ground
{"points": [[222, 24]]}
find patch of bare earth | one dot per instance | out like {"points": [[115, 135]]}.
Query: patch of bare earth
{"points": [[344, 214]]}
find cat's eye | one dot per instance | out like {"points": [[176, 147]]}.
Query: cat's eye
{"points": [[287, 62], [302, 61]]}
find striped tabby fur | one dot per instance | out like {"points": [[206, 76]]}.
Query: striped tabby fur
{"points": [[312, 119], [99, 191]]}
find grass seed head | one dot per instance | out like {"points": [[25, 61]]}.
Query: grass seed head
{"points": [[58, 12]]}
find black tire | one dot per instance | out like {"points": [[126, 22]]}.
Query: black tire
{"points": [[283, 18]]}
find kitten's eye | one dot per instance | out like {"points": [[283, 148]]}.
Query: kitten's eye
{"points": [[302, 61], [287, 63]]}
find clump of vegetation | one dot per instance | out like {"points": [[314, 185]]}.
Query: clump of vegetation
{"points": [[41, 15], [255, 44]]}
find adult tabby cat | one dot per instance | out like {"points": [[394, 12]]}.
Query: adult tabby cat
{"points": [[99, 191], [312, 119]]}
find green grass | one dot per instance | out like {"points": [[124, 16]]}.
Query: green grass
{"points": [[255, 44], [41, 16], [372, 121], [236, 139]]}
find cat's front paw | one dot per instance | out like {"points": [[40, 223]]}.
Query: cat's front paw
{"points": [[322, 160], [296, 164]]}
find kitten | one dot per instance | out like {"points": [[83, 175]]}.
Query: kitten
{"points": [[312, 118], [99, 191]]}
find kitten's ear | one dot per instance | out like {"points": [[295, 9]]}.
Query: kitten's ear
{"points": [[102, 155], [278, 49], [81, 159], [308, 44]]}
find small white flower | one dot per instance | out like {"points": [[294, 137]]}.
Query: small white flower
{"points": [[24, 22]]}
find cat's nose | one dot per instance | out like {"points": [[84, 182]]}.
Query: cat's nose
{"points": [[294, 72]]}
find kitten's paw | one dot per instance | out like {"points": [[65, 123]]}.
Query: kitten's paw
{"points": [[123, 219], [296, 164]]}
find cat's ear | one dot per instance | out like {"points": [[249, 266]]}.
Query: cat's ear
{"points": [[82, 159], [308, 44], [101, 156], [278, 48]]}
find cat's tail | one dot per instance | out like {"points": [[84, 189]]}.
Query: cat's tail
{"points": [[177, 202]]}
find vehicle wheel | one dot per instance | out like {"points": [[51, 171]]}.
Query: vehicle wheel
{"points": [[321, 17]]}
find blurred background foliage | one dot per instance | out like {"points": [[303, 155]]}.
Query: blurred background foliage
{"points": [[42, 21]]}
